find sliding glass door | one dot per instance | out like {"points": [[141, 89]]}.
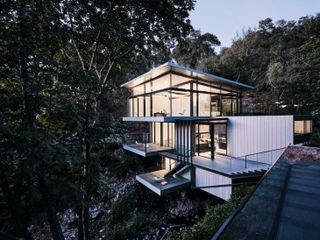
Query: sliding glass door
{"points": [[210, 139]]}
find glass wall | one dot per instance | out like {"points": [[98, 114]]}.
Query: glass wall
{"points": [[227, 107], [215, 105], [181, 96], [161, 83], [163, 134], [210, 139], [204, 104], [161, 104], [180, 103]]}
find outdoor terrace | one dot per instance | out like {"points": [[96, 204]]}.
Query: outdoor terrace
{"points": [[146, 149], [232, 166], [160, 185]]}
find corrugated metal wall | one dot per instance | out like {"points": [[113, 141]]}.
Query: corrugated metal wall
{"points": [[207, 178], [252, 134]]}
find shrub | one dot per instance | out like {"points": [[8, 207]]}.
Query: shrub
{"points": [[214, 218]]}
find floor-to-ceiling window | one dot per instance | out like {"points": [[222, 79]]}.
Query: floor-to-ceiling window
{"points": [[180, 103], [175, 95], [161, 104], [163, 134], [210, 139]]}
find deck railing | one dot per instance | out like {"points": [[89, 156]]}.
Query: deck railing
{"points": [[254, 161], [144, 142], [265, 157]]}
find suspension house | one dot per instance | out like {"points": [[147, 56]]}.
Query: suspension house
{"points": [[193, 121]]}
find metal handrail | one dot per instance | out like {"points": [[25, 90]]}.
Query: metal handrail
{"points": [[263, 152], [259, 153]]}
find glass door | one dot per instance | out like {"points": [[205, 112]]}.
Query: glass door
{"points": [[220, 138], [204, 146]]}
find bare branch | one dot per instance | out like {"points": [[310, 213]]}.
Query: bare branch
{"points": [[103, 66], [97, 72], [96, 42], [106, 76], [94, 46], [79, 55]]}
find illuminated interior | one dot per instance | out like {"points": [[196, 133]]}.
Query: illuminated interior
{"points": [[176, 95]]}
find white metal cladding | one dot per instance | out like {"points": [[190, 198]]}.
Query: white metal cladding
{"points": [[252, 134], [206, 178]]}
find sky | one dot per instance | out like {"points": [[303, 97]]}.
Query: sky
{"points": [[227, 18]]}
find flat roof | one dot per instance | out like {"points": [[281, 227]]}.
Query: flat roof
{"points": [[188, 72], [284, 204]]}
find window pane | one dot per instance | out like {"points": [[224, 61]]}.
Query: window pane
{"points": [[203, 141], [308, 126], [180, 103], [135, 107], [138, 90], [215, 105], [161, 83], [148, 105], [204, 88], [204, 104], [302, 126], [194, 104], [157, 134], [220, 138], [180, 82], [226, 107], [141, 107], [130, 108], [148, 87], [161, 104]]}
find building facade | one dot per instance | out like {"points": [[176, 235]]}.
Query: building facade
{"points": [[193, 121]]}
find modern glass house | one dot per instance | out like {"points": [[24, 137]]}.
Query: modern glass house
{"points": [[193, 121]]}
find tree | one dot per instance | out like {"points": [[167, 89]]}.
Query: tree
{"points": [[197, 51], [28, 150], [61, 63], [280, 60], [103, 37]]}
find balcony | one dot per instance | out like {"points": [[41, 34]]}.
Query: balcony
{"points": [[161, 184], [145, 149], [143, 145]]}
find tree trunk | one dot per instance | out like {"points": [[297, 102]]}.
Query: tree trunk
{"points": [[30, 96], [84, 219], [83, 212], [51, 214]]}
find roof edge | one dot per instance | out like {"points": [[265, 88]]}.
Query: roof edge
{"points": [[151, 70], [210, 75], [171, 64]]}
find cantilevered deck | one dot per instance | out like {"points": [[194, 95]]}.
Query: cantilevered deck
{"points": [[225, 165], [161, 185], [146, 150], [230, 165]]}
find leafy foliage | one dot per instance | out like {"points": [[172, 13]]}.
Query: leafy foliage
{"points": [[282, 60], [197, 51], [214, 218], [61, 65]]}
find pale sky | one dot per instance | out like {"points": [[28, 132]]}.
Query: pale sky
{"points": [[226, 18]]}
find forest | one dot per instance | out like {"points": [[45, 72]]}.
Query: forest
{"points": [[63, 173]]}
